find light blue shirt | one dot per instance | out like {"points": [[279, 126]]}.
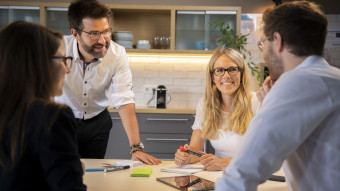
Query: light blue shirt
{"points": [[299, 122], [106, 79]]}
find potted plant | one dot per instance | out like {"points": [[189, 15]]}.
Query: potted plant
{"points": [[237, 42]]}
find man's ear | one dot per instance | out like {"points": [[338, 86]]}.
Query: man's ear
{"points": [[75, 33], [278, 42]]}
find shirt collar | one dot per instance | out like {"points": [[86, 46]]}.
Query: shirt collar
{"points": [[310, 60]]}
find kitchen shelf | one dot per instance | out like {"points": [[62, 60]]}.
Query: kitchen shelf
{"points": [[144, 21]]}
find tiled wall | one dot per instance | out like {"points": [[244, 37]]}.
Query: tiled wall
{"points": [[184, 76]]}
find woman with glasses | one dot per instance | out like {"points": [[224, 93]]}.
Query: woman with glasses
{"points": [[223, 114], [37, 136]]}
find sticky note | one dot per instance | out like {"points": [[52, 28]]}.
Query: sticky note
{"points": [[142, 172]]}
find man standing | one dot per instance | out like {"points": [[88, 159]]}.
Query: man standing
{"points": [[299, 121], [100, 72]]}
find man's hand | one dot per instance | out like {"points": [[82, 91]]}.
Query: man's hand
{"points": [[267, 85], [148, 159]]}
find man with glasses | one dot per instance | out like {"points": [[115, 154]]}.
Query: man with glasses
{"points": [[298, 123], [100, 73]]}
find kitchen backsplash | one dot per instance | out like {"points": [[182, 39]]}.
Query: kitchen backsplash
{"points": [[184, 75]]}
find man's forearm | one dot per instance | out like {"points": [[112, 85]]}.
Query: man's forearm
{"points": [[128, 115]]}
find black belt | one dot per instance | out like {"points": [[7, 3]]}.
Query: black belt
{"points": [[93, 118]]}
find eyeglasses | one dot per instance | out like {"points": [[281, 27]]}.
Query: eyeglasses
{"points": [[67, 60], [231, 71], [260, 43], [95, 35]]}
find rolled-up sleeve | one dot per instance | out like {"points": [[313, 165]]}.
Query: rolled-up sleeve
{"points": [[121, 85]]}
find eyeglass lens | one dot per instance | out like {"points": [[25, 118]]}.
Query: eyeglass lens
{"points": [[260, 45], [68, 62], [231, 71], [96, 35]]}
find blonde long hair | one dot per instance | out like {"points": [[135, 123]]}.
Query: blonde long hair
{"points": [[240, 113]]}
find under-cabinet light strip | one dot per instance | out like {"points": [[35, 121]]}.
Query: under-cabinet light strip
{"points": [[57, 8]]}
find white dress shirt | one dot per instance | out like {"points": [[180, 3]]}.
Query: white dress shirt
{"points": [[299, 121], [228, 142], [105, 79]]}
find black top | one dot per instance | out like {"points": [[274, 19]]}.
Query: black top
{"points": [[50, 160]]}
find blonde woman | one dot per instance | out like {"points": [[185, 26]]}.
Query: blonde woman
{"points": [[223, 114]]}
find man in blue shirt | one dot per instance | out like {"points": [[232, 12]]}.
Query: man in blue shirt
{"points": [[298, 123]]}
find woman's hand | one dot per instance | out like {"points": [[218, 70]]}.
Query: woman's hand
{"points": [[182, 158], [211, 162]]}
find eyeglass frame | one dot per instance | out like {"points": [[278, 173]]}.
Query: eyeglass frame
{"points": [[227, 69], [65, 60], [98, 35], [260, 44]]}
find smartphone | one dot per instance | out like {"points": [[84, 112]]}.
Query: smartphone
{"points": [[277, 178]]}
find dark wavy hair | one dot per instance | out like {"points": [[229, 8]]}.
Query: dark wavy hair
{"points": [[302, 25], [26, 74], [79, 9]]}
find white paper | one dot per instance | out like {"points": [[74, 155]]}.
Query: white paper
{"points": [[131, 163], [186, 169]]}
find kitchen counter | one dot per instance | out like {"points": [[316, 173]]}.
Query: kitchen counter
{"points": [[169, 110]]}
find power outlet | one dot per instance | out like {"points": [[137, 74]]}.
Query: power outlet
{"points": [[148, 88]]}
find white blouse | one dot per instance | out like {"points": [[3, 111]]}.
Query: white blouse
{"points": [[228, 142]]}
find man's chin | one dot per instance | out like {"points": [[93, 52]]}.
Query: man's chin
{"points": [[99, 54]]}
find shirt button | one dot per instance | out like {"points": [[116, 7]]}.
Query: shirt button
{"points": [[85, 112], [84, 94], [84, 103], [85, 82]]}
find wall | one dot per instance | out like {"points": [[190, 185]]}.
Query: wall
{"points": [[183, 76]]}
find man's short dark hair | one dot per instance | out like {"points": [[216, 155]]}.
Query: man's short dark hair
{"points": [[79, 9], [302, 25]]}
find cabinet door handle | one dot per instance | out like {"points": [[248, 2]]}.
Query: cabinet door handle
{"points": [[161, 139], [116, 118], [160, 119]]}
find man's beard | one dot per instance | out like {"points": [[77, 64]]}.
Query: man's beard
{"points": [[274, 64], [90, 49]]}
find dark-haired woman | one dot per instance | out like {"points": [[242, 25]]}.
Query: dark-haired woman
{"points": [[38, 148]]}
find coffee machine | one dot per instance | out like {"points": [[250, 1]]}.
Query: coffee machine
{"points": [[161, 96]]}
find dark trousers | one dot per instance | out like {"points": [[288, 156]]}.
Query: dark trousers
{"points": [[93, 135]]}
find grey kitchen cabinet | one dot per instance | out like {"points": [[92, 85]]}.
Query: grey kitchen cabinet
{"points": [[161, 135]]}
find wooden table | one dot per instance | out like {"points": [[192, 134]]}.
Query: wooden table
{"points": [[122, 181]]}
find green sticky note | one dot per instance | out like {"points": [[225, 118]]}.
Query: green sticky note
{"points": [[142, 172]]}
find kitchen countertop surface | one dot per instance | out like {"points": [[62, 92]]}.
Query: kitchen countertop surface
{"points": [[169, 110]]}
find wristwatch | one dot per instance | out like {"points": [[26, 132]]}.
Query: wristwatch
{"points": [[140, 145]]}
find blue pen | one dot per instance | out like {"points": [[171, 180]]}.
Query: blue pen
{"points": [[94, 169], [116, 168]]}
